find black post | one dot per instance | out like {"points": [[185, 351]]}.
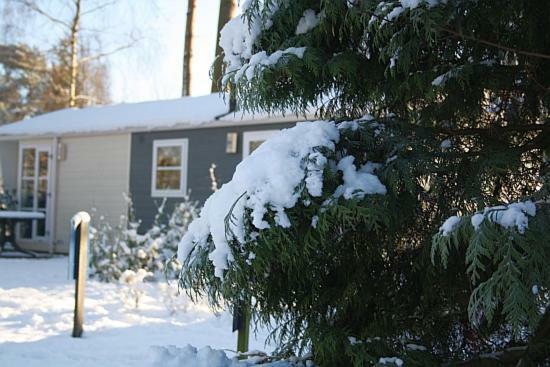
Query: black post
{"points": [[79, 254]]}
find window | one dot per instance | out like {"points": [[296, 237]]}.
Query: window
{"points": [[169, 168], [34, 177], [253, 139]]}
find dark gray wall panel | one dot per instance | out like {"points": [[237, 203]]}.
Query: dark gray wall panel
{"points": [[206, 146]]}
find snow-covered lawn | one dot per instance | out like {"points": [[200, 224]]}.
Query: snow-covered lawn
{"points": [[36, 314]]}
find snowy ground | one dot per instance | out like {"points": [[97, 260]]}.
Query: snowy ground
{"points": [[36, 311]]}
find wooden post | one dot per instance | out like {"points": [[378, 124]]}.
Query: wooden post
{"points": [[241, 324], [79, 256]]}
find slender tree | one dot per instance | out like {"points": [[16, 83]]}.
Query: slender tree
{"points": [[228, 10], [188, 50]]}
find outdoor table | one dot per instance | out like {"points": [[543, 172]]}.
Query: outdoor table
{"points": [[9, 219]]}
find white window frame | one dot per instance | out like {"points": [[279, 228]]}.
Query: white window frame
{"points": [[184, 145], [249, 136], [49, 197]]}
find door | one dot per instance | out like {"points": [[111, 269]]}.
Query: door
{"points": [[34, 189]]}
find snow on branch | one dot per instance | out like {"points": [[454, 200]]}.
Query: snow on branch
{"points": [[271, 180]]}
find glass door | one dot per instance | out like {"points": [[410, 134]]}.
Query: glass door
{"points": [[33, 189]]}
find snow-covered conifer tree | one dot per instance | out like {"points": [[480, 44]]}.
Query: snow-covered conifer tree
{"points": [[410, 226]]}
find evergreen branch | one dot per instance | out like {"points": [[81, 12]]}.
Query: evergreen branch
{"points": [[505, 357], [495, 45]]}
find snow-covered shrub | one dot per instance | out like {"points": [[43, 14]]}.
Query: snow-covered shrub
{"points": [[115, 249], [134, 283]]}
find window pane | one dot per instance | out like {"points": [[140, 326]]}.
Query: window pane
{"points": [[42, 193], [253, 145], [168, 180], [41, 227], [43, 164], [27, 194], [28, 162], [169, 156], [25, 229]]}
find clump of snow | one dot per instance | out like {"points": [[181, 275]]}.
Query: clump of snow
{"points": [[267, 178], [309, 20], [406, 5], [535, 289], [189, 356], [512, 215], [443, 78], [476, 220], [508, 216], [357, 183], [272, 178], [239, 35], [315, 221], [446, 144], [391, 360], [449, 225], [261, 60]]}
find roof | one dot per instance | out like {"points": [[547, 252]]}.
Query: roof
{"points": [[181, 112]]}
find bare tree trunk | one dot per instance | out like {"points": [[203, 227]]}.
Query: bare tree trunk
{"points": [[75, 27], [228, 10], [188, 51]]}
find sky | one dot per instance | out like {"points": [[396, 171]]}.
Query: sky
{"points": [[151, 68]]}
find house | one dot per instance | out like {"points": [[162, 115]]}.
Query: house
{"points": [[70, 160]]}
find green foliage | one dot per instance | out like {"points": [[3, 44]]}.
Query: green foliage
{"points": [[460, 92]]}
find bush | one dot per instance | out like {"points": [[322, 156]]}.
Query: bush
{"points": [[115, 249]]}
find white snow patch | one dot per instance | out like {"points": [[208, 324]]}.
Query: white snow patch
{"points": [[449, 225], [535, 289], [181, 112], [446, 144], [308, 21], [391, 360], [357, 183], [261, 60], [476, 220], [239, 35], [512, 215], [36, 318]]}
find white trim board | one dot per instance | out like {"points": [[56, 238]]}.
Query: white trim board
{"points": [[257, 135]]}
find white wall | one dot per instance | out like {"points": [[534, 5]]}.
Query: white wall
{"points": [[94, 174]]}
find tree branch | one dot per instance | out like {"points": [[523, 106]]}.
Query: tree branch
{"points": [[31, 5], [495, 45], [108, 53], [99, 7]]}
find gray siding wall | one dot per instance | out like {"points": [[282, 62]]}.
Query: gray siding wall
{"points": [[206, 146], [8, 164]]}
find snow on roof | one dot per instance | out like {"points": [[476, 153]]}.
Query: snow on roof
{"points": [[185, 111]]}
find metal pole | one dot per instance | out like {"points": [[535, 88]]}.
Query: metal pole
{"points": [[79, 244]]}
